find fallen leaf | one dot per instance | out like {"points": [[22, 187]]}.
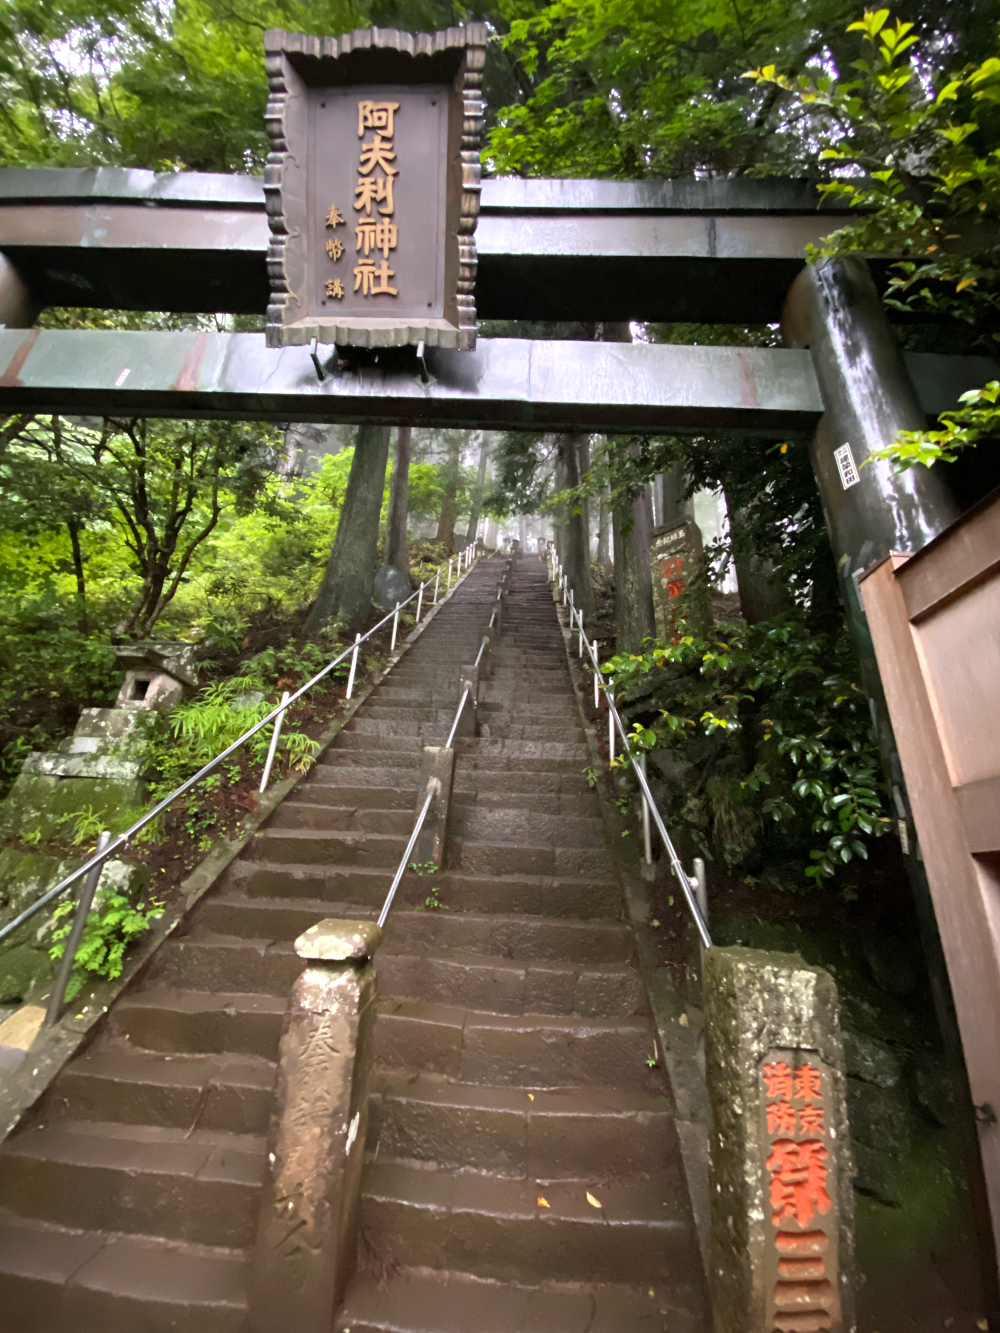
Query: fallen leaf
{"points": [[652, 1292], [531, 1096], [595, 1202], [683, 1020], [544, 1203]]}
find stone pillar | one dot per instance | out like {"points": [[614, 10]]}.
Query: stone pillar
{"points": [[782, 1252], [307, 1235], [17, 309], [468, 722], [676, 558], [437, 771]]}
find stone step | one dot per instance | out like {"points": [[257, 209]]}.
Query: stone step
{"points": [[473, 856], [294, 814], [116, 1082], [356, 785], [205, 962], [201, 1187], [329, 847], [57, 1278], [349, 741], [563, 895], [506, 986], [540, 802], [495, 1227], [381, 763], [534, 1051], [531, 1051], [509, 936], [433, 1301], [522, 825], [553, 1135]]}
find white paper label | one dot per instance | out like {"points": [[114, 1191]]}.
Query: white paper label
{"points": [[846, 466]]}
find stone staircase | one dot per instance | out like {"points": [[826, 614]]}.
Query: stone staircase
{"points": [[513, 1090]]}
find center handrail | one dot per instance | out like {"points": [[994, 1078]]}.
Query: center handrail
{"points": [[683, 878], [419, 822], [104, 853]]}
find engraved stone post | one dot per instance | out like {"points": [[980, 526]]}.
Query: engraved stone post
{"points": [[307, 1233], [782, 1256]]}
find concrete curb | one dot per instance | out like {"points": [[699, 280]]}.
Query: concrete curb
{"points": [[54, 1047], [679, 1027]]}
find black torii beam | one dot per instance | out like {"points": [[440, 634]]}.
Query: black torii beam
{"points": [[703, 251], [506, 382]]}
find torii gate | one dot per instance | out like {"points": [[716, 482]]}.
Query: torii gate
{"points": [[578, 250]]}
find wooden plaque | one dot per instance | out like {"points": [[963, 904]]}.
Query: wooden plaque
{"points": [[372, 186]]}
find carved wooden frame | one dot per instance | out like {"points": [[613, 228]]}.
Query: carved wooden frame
{"points": [[460, 54]]}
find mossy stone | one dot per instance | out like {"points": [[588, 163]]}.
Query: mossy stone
{"points": [[39, 802], [20, 968]]}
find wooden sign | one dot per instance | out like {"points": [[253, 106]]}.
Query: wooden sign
{"points": [[372, 186], [800, 1165]]}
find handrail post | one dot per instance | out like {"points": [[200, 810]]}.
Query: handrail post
{"points": [[272, 749], [467, 723], [448, 584], [647, 840], [75, 935], [458, 567], [579, 646], [395, 628], [420, 601], [354, 666], [434, 783], [597, 676], [611, 727], [437, 580]]}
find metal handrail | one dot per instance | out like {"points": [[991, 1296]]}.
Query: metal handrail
{"points": [[418, 825], [458, 714], [277, 713], [401, 868], [685, 881]]}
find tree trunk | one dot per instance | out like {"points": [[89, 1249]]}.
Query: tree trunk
{"points": [[446, 523], [346, 590], [604, 533], [75, 527], [634, 621], [583, 464], [576, 539], [396, 552], [477, 498], [763, 594]]}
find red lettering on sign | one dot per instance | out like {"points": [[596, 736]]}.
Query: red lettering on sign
{"points": [[798, 1180], [778, 1080]]}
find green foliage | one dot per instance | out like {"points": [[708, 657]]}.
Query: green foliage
{"points": [[164, 86], [112, 925], [766, 752], [432, 903], [635, 88], [961, 429], [913, 143], [49, 669], [215, 720]]}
